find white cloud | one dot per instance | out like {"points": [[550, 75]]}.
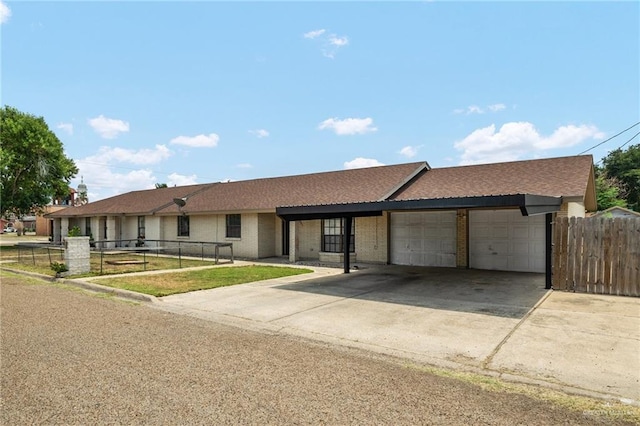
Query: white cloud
{"points": [[314, 34], [5, 12], [329, 43], [409, 151], [108, 155], [67, 127], [199, 141], [103, 178], [496, 107], [176, 179], [260, 133], [108, 128], [244, 166], [517, 139], [359, 163], [475, 109], [338, 41], [348, 126]]}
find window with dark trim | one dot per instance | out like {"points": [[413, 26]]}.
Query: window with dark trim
{"points": [[234, 226], [332, 236], [183, 226], [87, 226], [141, 230]]}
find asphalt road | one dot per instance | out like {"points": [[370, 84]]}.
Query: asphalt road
{"points": [[72, 358]]}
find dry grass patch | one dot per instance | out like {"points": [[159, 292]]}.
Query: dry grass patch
{"points": [[182, 282], [606, 411]]}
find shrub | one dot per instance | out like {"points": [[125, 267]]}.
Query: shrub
{"points": [[59, 267], [74, 232]]}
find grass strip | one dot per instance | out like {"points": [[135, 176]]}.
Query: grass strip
{"points": [[181, 282]]}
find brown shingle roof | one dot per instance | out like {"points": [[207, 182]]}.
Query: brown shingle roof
{"points": [[345, 186], [563, 176], [131, 203]]}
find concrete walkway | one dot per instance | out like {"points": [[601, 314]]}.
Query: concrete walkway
{"points": [[496, 323]]}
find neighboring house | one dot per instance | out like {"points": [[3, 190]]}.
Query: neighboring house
{"points": [[492, 216], [617, 212], [43, 224]]}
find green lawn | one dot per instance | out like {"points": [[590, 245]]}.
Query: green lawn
{"points": [[182, 282]]}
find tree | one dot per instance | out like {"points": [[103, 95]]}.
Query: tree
{"points": [[161, 185], [625, 167], [33, 166], [609, 191]]}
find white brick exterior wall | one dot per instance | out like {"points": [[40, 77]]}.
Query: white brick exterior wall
{"points": [[266, 235], [309, 239], [212, 228], [371, 238]]}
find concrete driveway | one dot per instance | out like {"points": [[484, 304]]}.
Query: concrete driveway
{"points": [[497, 322]]}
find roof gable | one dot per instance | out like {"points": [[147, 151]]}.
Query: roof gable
{"points": [[617, 211]]}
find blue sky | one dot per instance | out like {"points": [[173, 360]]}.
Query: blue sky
{"points": [[194, 92]]}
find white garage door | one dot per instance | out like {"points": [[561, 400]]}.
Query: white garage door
{"points": [[504, 240], [423, 238]]}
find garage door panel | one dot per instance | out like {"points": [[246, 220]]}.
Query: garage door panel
{"points": [[416, 244], [480, 232], [538, 233], [520, 232], [499, 231], [520, 247], [506, 240], [423, 238]]}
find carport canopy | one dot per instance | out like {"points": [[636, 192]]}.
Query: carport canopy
{"points": [[529, 205]]}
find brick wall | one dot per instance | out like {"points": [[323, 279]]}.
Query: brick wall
{"points": [[266, 235], [371, 239]]}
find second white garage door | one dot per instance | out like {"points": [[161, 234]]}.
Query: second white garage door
{"points": [[423, 238], [505, 240]]}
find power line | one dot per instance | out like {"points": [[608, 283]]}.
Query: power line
{"points": [[621, 146], [607, 140], [632, 137]]}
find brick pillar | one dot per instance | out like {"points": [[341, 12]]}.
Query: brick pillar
{"points": [[77, 255], [462, 238]]}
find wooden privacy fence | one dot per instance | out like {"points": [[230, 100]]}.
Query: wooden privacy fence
{"points": [[597, 255]]}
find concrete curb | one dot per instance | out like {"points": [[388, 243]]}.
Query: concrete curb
{"points": [[89, 284], [124, 294]]}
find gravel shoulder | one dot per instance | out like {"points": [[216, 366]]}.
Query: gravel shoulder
{"points": [[68, 357]]}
